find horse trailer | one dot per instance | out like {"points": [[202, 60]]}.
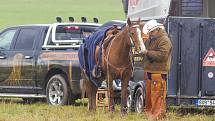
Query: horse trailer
{"points": [[191, 28]]}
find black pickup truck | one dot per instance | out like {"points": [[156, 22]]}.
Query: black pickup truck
{"points": [[40, 61]]}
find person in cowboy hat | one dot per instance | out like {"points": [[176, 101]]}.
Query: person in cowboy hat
{"points": [[156, 64]]}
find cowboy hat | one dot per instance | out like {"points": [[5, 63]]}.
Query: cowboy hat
{"points": [[151, 25]]}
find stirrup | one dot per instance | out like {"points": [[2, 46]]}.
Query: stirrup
{"points": [[97, 71]]}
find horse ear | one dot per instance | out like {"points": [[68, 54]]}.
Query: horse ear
{"points": [[128, 21]]}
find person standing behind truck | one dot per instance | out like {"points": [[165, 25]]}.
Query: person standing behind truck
{"points": [[156, 64]]}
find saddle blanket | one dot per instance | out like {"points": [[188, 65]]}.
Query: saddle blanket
{"points": [[86, 53]]}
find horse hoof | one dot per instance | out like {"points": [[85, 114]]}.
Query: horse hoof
{"points": [[124, 111], [112, 109]]}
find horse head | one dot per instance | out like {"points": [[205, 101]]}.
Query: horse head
{"points": [[135, 34]]}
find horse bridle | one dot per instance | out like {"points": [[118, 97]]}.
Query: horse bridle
{"points": [[130, 34]]}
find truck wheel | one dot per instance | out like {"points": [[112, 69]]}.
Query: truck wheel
{"points": [[129, 103], [57, 91], [139, 100]]}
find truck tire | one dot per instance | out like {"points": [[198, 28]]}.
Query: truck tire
{"points": [[139, 100], [57, 91], [129, 103]]}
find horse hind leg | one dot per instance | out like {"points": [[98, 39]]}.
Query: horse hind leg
{"points": [[91, 94], [88, 90]]}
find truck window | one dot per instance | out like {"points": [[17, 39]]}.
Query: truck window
{"points": [[6, 39], [70, 32], [26, 38]]}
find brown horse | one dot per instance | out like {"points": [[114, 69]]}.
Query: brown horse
{"points": [[116, 64]]}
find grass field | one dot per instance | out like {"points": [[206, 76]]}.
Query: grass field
{"points": [[15, 110], [13, 12]]}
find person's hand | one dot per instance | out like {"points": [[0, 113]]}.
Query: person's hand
{"points": [[145, 51], [140, 53]]}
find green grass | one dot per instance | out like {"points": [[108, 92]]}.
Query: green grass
{"points": [[16, 110], [15, 12]]}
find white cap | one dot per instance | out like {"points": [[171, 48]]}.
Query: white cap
{"points": [[151, 25]]}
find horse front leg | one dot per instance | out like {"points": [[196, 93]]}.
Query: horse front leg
{"points": [[111, 93], [124, 94]]}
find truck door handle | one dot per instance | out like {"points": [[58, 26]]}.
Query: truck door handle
{"points": [[28, 57], [2, 57]]}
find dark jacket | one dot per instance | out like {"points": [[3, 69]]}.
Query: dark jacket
{"points": [[158, 57]]}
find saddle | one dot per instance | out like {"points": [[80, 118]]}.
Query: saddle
{"points": [[100, 49]]}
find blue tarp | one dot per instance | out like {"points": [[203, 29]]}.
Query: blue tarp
{"points": [[86, 53]]}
